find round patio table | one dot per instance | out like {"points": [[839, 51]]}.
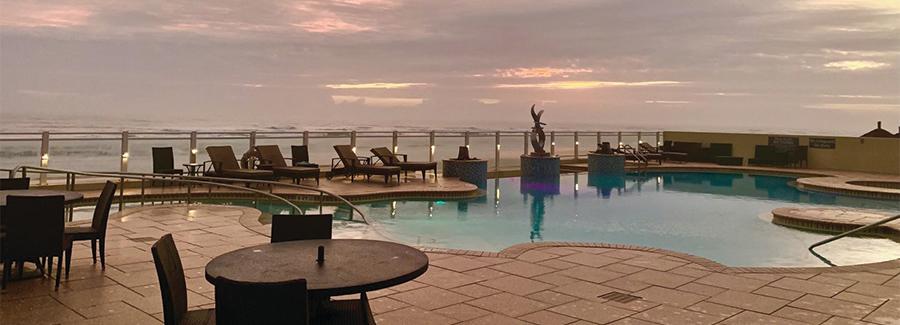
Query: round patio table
{"points": [[70, 196], [350, 265]]}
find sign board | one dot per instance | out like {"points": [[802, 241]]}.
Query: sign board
{"points": [[821, 143], [784, 142]]}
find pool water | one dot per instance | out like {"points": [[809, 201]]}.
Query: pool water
{"points": [[720, 216]]}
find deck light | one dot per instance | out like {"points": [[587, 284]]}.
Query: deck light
{"points": [[45, 157], [125, 155], [640, 141], [553, 143], [432, 149], [395, 148], [498, 146], [194, 151], [621, 143], [576, 143], [354, 149], [658, 143], [576, 187], [467, 146]]}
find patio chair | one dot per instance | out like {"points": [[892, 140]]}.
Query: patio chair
{"points": [[224, 164], [34, 230], [164, 161], [20, 183], [388, 158], [353, 165], [289, 227], [300, 157], [96, 232], [173, 288], [274, 161], [241, 303]]}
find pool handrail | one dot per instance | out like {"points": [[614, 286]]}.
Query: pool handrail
{"points": [[204, 180], [845, 234]]}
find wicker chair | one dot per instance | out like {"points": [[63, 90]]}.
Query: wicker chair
{"points": [[388, 158], [353, 165], [286, 227], [96, 232], [173, 288], [272, 159], [34, 230], [21, 183]]}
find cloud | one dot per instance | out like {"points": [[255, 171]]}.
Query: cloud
{"points": [[669, 102], [569, 85], [377, 85], [855, 65], [855, 107], [540, 72], [30, 15], [377, 101], [488, 101]]}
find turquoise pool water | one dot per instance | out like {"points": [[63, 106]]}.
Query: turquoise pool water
{"points": [[719, 216]]}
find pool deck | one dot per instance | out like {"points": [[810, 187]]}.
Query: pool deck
{"points": [[548, 283], [836, 220]]}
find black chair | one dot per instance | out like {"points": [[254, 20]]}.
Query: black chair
{"points": [[164, 161], [96, 232], [34, 230], [173, 288], [300, 157], [21, 183], [262, 303], [288, 227]]}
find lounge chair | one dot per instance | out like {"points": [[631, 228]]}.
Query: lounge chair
{"points": [[224, 164], [388, 158], [650, 152], [272, 159], [300, 157], [353, 165]]}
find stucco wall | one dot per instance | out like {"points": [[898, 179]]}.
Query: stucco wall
{"points": [[876, 155]]}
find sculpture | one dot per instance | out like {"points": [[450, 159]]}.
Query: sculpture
{"points": [[537, 134]]}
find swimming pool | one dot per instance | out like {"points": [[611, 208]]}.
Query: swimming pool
{"points": [[720, 216]]}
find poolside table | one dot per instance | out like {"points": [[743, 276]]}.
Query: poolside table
{"points": [[350, 265], [70, 196]]}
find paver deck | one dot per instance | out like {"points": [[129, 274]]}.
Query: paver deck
{"points": [[549, 283]]}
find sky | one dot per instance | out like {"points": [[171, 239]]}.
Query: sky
{"points": [[812, 66]]}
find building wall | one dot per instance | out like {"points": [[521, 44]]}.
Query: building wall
{"points": [[875, 155]]}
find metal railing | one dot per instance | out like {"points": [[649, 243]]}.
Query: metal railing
{"points": [[115, 150], [845, 234], [210, 182]]}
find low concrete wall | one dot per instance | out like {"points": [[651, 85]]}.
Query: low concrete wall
{"points": [[873, 155]]}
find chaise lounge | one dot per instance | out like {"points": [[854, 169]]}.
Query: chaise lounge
{"points": [[353, 165], [272, 159], [224, 164], [388, 158]]}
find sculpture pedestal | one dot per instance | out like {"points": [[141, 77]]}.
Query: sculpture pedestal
{"points": [[540, 166], [606, 164], [469, 171]]}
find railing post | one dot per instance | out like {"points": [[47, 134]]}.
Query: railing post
{"points": [[658, 142], [525, 144], [576, 145], [305, 138], [395, 141], [599, 140], [620, 139], [466, 139], [45, 155], [193, 156], [252, 139], [353, 140], [552, 143], [124, 165], [640, 139], [497, 151], [431, 146]]}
